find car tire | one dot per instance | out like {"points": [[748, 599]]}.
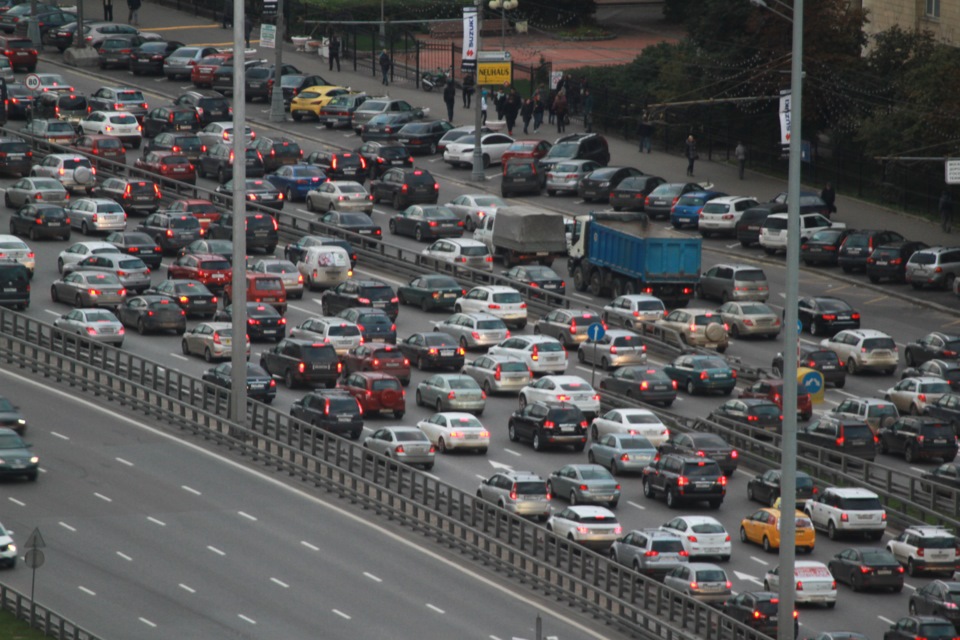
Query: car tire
{"points": [[141, 327], [831, 530], [691, 389], [421, 363], [743, 535], [573, 498], [851, 366], [439, 405], [750, 494], [766, 545], [397, 202], [912, 568], [442, 446], [289, 380], [538, 442], [512, 433], [419, 398], [814, 328], [78, 301], [7, 201], [909, 455], [647, 489], [672, 499], [84, 229]]}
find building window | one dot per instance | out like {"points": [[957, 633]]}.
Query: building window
{"points": [[933, 8]]}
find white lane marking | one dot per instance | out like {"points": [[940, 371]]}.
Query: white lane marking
{"points": [[246, 619], [52, 312], [66, 526], [124, 462], [909, 586], [636, 504], [372, 577], [280, 582], [513, 453], [124, 556], [476, 474], [155, 521], [582, 295], [148, 623], [430, 475], [887, 620], [847, 393], [17, 502], [342, 614], [186, 588], [247, 516], [87, 591], [918, 469], [103, 497], [190, 490], [59, 435], [180, 356], [216, 551], [309, 546], [756, 559], [435, 608], [300, 309]]}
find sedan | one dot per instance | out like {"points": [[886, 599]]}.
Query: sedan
{"points": [[498, 374], [213, 340], [426, 222], [153, 313], [702, 374], [765, 488], [16, 459], [597, 184], [340, 195], [867, 568], [645, 383], [98, 325], [257, 190], [754, 412], [947, 474], [192, 296], [451, 392], [34, 191], [492, 147], [938, 598], [565, 176], [584, 483], [358, 223], [750, 319], [622, 453], [385, 126], [826, 316], [404, 444], [89, 289], [80, 250], [630, 421], [295, 181], [631, 193], [537, 277], [822, 247], [563, 388], [260, 384], [433, 350], [703, 536], [473, 208], [40, 221], [593, 527], [456, 430], [137, 244], [133, 273], [431, 292]]}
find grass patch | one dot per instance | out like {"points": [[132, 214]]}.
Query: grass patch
{"points": [[13, 629]]}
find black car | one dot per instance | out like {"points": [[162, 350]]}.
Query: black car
{"points": [[919, 438], [946, 408], [340, 165], [826, 316], [218, 161], [170, 118], [16, 157], [19, 100], [360, 293], [303, 363], [261, 230], [754, 412], [58, 106], [193, 297], [153, 313], [926, 627], [431, 292], [822, 247], [433, 350], [14, 284], [938, 598], [380, 156], [139, 244], [748, 226], [135, 196], [48, 23], [537, 277], [403, 187], [823, 360], [148, 57], [40, 221], [184, 143], [359, 223], [264, 322], [114, 52], [646, 383], [758, 610], [258, 80], [860, 245], [258, 191], [521, 176], [947, 474], [223, 76], [386, 126], [889, 261], [867, 568], [64, 35], [426, 222], [210, 105], [708, 445], [422, 137], [577, 146], [840, 435], [685, 478], [333, 410], [547, 424], [10, 416], [810, 202], [375, 325], [16, 458], [296, 251], [935, 345], [661, 200], [631, 193], [260, 384], [597, 185], [277, 152], [171, 232], [293, 83], [765, 487]]}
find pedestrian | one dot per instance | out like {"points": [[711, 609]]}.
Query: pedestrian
{"points": [[226, 19], [741, 154], [469, 85], [385, 64], [511, 109], [334, 52], [449, 96], [537, 112], [499, 101], [551, 98], [483, 107], [247, 27], [526, 113], [560, 110], [587, 111], [829, 197], [946, 210], [108, 10], [134, 17], [645, 130], [690, 150]]}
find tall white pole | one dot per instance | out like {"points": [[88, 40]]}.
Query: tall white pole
{"points": [[277, 113], [477, 174], [238, 348]]}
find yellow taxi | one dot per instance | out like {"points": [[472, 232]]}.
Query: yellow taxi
{"points": [[307, 103], [763, 527]]}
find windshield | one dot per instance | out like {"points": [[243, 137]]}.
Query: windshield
{"points": [[10, 441], [635, 442], [510, 297]]}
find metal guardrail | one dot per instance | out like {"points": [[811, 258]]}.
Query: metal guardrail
{"points": [[48, 622]]}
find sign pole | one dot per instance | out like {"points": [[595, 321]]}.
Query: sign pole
{"points": [[34, 559], [477, 174]]}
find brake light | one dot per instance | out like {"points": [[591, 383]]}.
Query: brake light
{"points": [[840, 441], [683, 481], [549, 424]]}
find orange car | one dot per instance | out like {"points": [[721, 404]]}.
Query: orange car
{"points": [[763, 528]]}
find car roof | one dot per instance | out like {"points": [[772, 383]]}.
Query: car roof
{"points": [[591, 511], [851, 492], [730, 199], [466, 242]]}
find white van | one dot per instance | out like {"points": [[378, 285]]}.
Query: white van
{"points": [[324, 266]]}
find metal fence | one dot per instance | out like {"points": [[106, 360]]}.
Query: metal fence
{"points": [[48, 622]]}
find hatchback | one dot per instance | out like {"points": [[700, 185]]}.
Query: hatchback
{"points": [[719, 216], [734, 282], [616, 348], [687, 210], [519, 492], [934, 267], [889, 261], [597, 184], [864, 350], [498, 374], [565, 176], [859, 246]]}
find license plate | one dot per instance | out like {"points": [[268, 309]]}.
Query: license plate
{"points": [[9, 290], [257, 386], [379, 304], [343, 418], [882, 263], [858, 442], [703, 485], [53, 224], [446, 352], [884, 572], [720, 376], [449, 295], [940, 441], [659, 387]]}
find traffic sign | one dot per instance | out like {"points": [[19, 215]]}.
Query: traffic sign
{"points": [[595, 331], [34, 558], [32, 82], [35, 541], [799, 326], [951, 170]]}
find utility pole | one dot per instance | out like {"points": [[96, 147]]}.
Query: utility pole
{"points": [[277, 112], [238, 348], [33, 30], [477, 175]]}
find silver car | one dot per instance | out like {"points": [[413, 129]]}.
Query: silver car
{"points": [[133, 272], [565, 176], [457, 253], [474, 330], [499, 374], [85, 289], [408, 445], [594, 527], [584, 483], [69, 169], [340, 195], [667, 551], [617, 348], [181, 62], [13, 248], [80, 250], [342, 334], [99, 325], [286, 270], [702, 581], [633, 310], [96, 214], [473, 208], [520, 492], [35, 191], [212, 340], [569, 326], [622, 453], [733, 282], [451, 392], [750, 319]]}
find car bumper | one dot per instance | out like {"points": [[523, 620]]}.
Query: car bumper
{"points": [[12, 471], [893, 579], [627, 359], [597, 541], [464, 405], [508, 385], [165, 325], [468, 443], [115, 339], [565, 439], [703, 551], [264, 334], [692, 219], [416, 458], [530, 508], [349, 428]]}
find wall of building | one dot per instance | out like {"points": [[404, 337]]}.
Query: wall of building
{"points": [[912, 14]]}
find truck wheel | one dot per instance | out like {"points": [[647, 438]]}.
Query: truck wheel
{"points": [[618, 287], [596, 284], [629, 288], [579, 279]]}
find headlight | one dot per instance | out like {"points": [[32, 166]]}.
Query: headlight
{"points": [[35, 460], [12, 548], [21, 421]]}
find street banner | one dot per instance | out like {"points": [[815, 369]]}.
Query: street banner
{"points": [[468, 58]]}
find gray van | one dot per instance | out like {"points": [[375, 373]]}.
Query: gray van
{"points": [[935, 267], [14, 285], [735, 282]]}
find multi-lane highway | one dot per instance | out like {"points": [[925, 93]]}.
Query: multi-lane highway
{"points": [[113, 524]]}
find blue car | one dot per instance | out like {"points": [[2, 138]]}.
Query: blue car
{"points": [[687, 210], [702, 374], [295, 180]]}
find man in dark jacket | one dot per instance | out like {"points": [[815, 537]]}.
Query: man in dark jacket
{"points": [[587, 111], [449, 96], [538, 108], [511, 108], [526, 114], [469, 85], [385, 66], [829, 197]]}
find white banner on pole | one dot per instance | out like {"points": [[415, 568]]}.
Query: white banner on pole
{"points": [[784, 117], [468, 56], [268, 36]]}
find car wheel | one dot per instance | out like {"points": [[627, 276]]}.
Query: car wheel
{"points": [[851, 366], [7, 201], [33, 234], [912, 609], [439, 405], [512, 433], [537, 442], [523, 402], [909, 455], [908, 356], [487, 389], [433, 148], [773, 500], [310, 206], [289, 380], [647, 489], [418, 234], [856, 583], [442, 445], [814, 328], [419, 399], [141, 327], [486, 161], [750, 494], [396, 202], [911, 567], [743, 535], [831, 530], [614, 469], [672, 501], [78, 301], [691, 389], [766, 544], [84, 229], [421, 363], [392, 225], [581, 356], [734, 331], [573, 498]]}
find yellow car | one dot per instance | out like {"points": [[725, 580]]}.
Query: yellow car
{"points": [[763, 528], [308, 102]]}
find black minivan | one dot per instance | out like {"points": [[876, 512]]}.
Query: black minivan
{"points": [[14, 285], [261, 230], [54, 105]]}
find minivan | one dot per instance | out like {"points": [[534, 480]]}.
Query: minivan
{"points": [[60, 106], [324, 266], [934, 267], [14, 285], [521, 176], [736, 282]]}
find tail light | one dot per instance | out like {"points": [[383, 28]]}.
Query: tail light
{"points": [[549, 424], [799, 585], [651, 553], [496, 373], [683, 481]]}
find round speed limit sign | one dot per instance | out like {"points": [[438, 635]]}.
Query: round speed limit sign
{"points": [[32, 82]]}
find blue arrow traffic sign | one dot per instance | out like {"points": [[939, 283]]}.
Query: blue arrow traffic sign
{"points": [[595, 331]]}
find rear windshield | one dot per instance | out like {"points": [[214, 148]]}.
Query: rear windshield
{"points": [[508, 297], [215, 265], [935, 387], [490, 324], [712, 363], [331, 259], [861, 504], [936, 430], [281, 267], [635, 442], [708, 527], [751, 275], [519, 169], [139, 187], [134, 263], [594, 473], [711, 575], [689, 200], [667, 546], [345, 406], [513, 366], [373, 105], [343, 330], [100, 316], [550, 347], [175, 160], [704, 319], [259, 72], [879, 343], [287, 149], [775, 223], [767, 607], [923, 258], [768, 410], [642, 418], [418, 177], [852, 431], [822, 357], [409, 436], [393, 152], [188, 222], [701, 469], [388, 353], [473, 251], [184, 117], [163, 305], [939, 542], [73, 163], [72, 102], [386, 383], [715, 207], [17, 147], [937, 630], [130, 96], [269, 284], [378, 293], [462, 383], [123, 118], [885, 254], [109, 143], [318, 352], [626, 341], [566, 415], [60, 127], [531, 488], [259, 222]]}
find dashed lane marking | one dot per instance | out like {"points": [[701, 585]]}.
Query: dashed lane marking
{"points": [[435, 608], [342, 614], [216, 551], [124, 462], [124, 556], [246, 619], [280, 582], [155, 521], [372, 577], [103, 497], [89, 592], [148, 622], [186, 588], [190, 490], [637, 505], [66, 526]]}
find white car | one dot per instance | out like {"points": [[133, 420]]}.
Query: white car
{"points": [[99, 325], [13, 248], [340, 195], [472, 208], [773, 231], [864, 349], [541, 354], [52, 82], [118, 124], [814, 583], [632, 310], [912, 395], [80, 250], [504, 302], [222, 132], [460, 252], [634, 422], [492, 146], [595, 527], [455, 430], [703, 536], [73, 171], [573, 389], [339, 332], [721, 215], [8, 550]]}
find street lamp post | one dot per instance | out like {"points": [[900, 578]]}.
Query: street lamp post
{"points": [[477, 174], [503, 6]]}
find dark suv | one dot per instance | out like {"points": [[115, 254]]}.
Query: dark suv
{"points": [[403, 187], [58, 106], [171, 232], [303, 362], [16, 157], [682, 478], [170, 118], [261, 230], [549, 423], [577, 146], [340, 165], [333, 410], [14, 284], [210, 105], [183, 142], [277, 152], [360, 293], [889, 261], [919, 439], [823, 360], [758, 610], [841, 435], [859, 246]]}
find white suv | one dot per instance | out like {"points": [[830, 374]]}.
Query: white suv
{"points": [[773, 231], [925, 549], [71, 170], [541, 354], [864, 349], [721, 215], [840, 510], [504, 302]]}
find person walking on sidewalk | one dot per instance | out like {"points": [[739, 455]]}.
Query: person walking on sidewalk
{"points": [[483, 107], [645, 130], [690, 150], [134, 17], [560, 110], [469, 85], [247, 28], [526, 113], [449, 97], [385, 66], [587, 111], [511, 109], [741, 154], [946, 210], [334, 52], [829, 197], [227, 18], [537, 112], [108, 10]]}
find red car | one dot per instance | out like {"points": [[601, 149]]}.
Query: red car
{"points": [[378, 356], [202, 73], [203, 210], [526, 149], [20, 51], [169, 165], [772, 389], [376, 392], [106, 147], [213, 271]]}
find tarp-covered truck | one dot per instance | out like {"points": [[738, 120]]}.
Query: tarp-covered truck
{"points": [[521, 235]]}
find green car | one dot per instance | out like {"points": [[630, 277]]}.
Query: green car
{"points": [[15, 457], [431, 292]]}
